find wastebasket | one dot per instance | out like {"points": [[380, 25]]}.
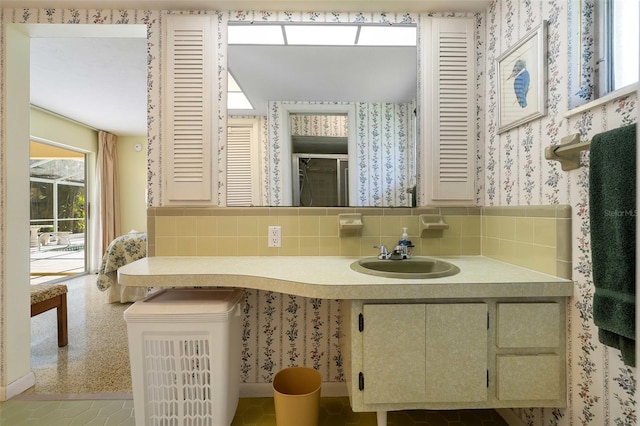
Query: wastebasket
{"points": [[184, 348], [296, 393]]}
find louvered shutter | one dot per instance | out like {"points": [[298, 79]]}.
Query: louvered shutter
{"points": [[188, 136], [452, 105], [241, 164]]}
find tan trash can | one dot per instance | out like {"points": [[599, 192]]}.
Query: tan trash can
{"points": [[296, 394]]}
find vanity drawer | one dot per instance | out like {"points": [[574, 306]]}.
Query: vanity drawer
{"points": [[528, 325], [529, 377]]}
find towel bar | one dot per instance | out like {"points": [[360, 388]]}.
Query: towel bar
{"points": [[567, 152]]}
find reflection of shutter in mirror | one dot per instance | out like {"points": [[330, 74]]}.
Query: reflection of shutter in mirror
{"points": [[242, 187]]}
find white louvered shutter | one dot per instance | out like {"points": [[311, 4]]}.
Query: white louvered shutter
{"points": [[452, 104], [188, 136], [241, 163]]}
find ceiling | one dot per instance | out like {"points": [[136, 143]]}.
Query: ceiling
{"points": [[101, 82], [325, 73]]}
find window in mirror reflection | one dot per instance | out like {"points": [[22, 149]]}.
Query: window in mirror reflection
{"points": [[322, 34], [236, 99], [374, 35], [255, 34]]}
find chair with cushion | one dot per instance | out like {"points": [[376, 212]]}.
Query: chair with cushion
{"points": [[45, 297]]}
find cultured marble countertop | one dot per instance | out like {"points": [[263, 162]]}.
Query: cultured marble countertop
{"points": [[330, 277]]}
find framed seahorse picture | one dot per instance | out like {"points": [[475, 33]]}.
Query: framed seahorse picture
{"points": [[522, 80]]}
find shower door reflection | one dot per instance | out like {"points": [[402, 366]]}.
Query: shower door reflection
{"points": [[322, 180]]}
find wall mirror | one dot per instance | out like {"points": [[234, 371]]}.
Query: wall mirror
{"points": [[338, 103]]}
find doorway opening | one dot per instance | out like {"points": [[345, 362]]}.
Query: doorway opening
{"points": [[320, 158], [323, 180]]}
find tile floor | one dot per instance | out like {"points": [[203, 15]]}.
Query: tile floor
{"points": [[88, 382], [250, 412]]}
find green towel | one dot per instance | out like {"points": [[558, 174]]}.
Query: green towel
{"points": [[612, 207]]}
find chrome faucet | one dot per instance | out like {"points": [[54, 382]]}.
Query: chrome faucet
{"points": [[398, 253], [384, 253]]}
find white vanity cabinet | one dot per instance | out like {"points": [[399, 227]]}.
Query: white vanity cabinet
{"points": [[449, 354]]}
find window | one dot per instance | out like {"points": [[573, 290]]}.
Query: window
{"points": [[58, 212], [618, 42]]}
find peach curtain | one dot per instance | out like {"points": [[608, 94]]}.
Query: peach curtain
{"points": [[109, 195]]}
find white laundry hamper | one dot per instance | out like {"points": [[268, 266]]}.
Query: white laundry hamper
{"points": [[184, 347]]}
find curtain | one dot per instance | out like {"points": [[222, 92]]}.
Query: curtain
{"points": [[109, 195], [96, 252]]}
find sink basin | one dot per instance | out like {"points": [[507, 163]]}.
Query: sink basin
{"points": [[415, 267]]}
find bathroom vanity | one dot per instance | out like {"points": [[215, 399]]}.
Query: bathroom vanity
{"points": [[455, 353], [491, 336]]}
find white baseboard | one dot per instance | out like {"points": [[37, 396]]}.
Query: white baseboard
{"points": [[265, 390], [509, 416], [18, 386]]}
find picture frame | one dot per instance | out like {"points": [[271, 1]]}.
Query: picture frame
{"points": [[521, 75]]}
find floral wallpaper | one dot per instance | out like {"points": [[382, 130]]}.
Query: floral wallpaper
{"points": [[319, 125], [601, 388], [384, 145], [281, 330]]}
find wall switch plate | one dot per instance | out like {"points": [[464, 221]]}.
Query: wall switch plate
{"points": [[274, 235]]}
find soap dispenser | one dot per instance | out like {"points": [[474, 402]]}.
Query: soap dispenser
{"points": [[405, 243]]}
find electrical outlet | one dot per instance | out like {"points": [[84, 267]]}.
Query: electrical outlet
{"points": [[274, 236]]}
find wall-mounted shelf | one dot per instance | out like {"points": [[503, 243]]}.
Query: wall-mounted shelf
{"points": [[350, 224], [567, 152], [432, 225]]}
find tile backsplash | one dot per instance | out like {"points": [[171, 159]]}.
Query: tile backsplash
{"points": [[536, 237], [305, 231]]}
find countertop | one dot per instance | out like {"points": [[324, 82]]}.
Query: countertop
{"points": [[330, 277]]}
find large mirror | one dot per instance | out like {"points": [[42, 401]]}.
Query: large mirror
{"points": [[337, 114]]}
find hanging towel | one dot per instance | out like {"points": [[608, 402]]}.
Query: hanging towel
{"points": [[612, 208]]}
